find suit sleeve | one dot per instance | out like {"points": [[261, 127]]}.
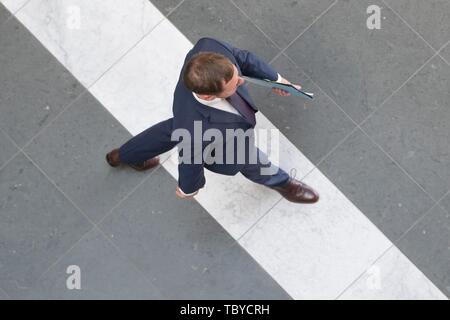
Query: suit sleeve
{"points": [[191, 177], [250, 64]]}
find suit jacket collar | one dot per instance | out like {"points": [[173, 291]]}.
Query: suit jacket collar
{"points": [[216, 115]]}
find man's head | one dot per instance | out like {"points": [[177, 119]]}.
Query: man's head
{"points": [[211, 75]]}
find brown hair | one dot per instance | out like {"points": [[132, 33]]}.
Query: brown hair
{"points": [[206, 71]]}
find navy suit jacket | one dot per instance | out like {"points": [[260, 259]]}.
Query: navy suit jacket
{"points": [[186, 110]]}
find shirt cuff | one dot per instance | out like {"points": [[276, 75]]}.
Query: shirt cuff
{"points": [[279, 77]]}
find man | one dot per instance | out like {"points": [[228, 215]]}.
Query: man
{"points": [[210, 93]]}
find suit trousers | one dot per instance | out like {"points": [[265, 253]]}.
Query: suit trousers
{"points": [[157, 140]]}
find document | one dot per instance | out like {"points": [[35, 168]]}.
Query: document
{"points": [[273, 84]]}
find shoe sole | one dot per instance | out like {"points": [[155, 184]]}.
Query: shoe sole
{"points": [[143, 169]]}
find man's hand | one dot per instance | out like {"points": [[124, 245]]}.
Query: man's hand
{"points": [[181, 195], [282, 92]]}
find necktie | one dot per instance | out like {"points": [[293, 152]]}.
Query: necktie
{"points": [[242, 106]]}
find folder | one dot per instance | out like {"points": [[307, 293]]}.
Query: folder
{"points": [[273, 84]]}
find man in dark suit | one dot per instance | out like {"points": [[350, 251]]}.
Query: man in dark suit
{"points": [[210, 96]]}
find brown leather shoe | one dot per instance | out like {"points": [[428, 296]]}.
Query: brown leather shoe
{"points": [[298, 192], [147, 164], [113, 158]]}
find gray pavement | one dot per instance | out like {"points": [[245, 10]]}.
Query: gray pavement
{"points": [[379, 130]]}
